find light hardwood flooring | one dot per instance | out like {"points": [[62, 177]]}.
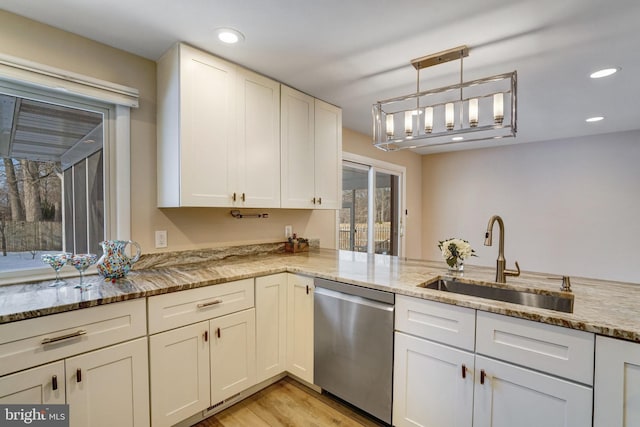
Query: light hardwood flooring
{"points": [[288, 403]]}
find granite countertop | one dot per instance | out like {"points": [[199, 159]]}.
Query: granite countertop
{"points": [[603, 307]]}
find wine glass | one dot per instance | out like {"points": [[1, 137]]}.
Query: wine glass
{"points": [[56, 261], [81, 262]]}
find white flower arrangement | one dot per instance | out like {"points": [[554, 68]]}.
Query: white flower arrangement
{"points": [[455, 250]]}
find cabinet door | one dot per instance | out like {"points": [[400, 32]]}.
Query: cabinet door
{"points": [[258, 157], [507, 396], [179, 361], [233, 354], [42, 385], [328, 155], [300, 327], [617, 383], [430, 389], [207, 129], [297, 149], [271, 325], [109, 387]]}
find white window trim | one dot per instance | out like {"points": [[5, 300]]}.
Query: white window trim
{"points": [[386, 167], [53, 83]]}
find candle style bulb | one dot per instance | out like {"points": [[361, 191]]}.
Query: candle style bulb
{"points": [[498, 108], [448, 114], [473, 112], [389, 125], [408, 123], [428, 119]]}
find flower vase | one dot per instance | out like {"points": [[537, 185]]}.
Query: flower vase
{"points": [[457, 266]]}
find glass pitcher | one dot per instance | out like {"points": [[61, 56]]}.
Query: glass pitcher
{"points": [[114, 262]]}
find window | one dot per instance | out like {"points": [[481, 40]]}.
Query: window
{"points": [[372, 198], [64, 167]]}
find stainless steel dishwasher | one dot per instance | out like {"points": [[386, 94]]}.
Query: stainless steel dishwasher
{"points": [[353, 345]]}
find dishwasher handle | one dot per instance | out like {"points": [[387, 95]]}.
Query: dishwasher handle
{"points": [[322, 292]]}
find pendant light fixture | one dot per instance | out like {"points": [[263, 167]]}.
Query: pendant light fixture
{"points": [[476, 110]]}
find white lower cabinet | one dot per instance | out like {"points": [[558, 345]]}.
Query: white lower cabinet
{"points": [[617, 383], [94, 359], [436, 383], [430, 388], [179, 367], [199, 365], [41, 385], [109, 387], [271, 326], [507, 395], [300, 326], [196, 366], [232, 346]]}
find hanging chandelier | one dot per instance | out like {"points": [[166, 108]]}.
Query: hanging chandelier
{"points": [[476, 110]]}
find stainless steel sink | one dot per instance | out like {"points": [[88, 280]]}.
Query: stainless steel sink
{"points": [[551, 301]]}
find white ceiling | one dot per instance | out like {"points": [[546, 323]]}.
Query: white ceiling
{"points": [[353, 53]]}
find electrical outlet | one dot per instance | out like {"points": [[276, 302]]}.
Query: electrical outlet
{"points": [[161, 238], [288, 231]]}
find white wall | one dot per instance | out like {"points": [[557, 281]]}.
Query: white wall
{"points": [[569, 206]]}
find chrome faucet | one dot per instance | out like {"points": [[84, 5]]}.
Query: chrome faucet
{"points": [[501, 271]]}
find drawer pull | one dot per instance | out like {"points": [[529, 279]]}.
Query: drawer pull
{"points": [[54, 382], [319, 200], [244, 199], [79, 375], [482, 376], [307, 289], [64, 337], [464, 371], [210, 303], [218, 332]]}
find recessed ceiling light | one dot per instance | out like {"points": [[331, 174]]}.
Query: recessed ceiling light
{"points": [[457, 138], [594, 119], [605, 72], [229, 35]]}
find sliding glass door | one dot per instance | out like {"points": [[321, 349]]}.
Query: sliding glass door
{"points": [[369, 220]]}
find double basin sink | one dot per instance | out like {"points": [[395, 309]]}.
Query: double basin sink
{"points": [[548, 300]]}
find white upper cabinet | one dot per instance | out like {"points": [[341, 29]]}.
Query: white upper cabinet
{"points": [[328, 155], [311, 146], [258, 141], [218, 133]]}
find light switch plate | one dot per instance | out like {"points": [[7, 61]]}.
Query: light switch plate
{"points": [[161, 238]]}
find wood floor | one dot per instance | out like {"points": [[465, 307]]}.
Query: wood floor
{"points": [[288, 403]]}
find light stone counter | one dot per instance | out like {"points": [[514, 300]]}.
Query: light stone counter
{"points": [[603, 307]]}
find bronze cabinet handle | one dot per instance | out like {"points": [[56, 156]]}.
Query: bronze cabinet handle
{"points": [[464, 371], [79, 375], [54, 382], [206, 336], [483, 374], [218, 332]]}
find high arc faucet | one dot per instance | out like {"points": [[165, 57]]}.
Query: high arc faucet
{"points": [[501, 270]]}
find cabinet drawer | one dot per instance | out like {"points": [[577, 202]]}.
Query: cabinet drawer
{"points": [[177, 309], [36, 341], [445, 323], [559, 351]]}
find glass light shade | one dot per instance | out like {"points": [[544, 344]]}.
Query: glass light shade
{"points": [[408, 122], [473, 112], [498, 108], [448, 114], [428, 119], [389, 125]]}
